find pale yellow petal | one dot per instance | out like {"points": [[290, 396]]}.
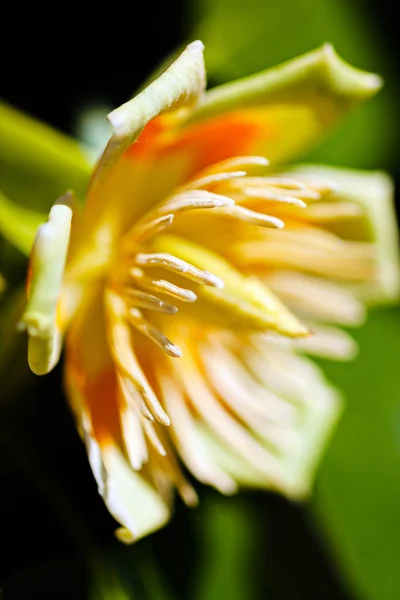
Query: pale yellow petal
{"points": [[48, 259]]}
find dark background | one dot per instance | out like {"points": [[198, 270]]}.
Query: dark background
{"points": [[54, 61]]}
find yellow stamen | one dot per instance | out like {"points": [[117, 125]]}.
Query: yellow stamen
{"points": [[165, 287], [124, 357], [150, 228], [144, 300], [181, 267], [255, 218], [136, 319]]}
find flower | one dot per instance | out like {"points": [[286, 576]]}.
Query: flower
{"points": [[195, 274]]}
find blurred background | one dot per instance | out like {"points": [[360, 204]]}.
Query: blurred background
{"points": [[344, 544]]}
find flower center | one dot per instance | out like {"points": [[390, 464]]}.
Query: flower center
{"points": [[148, 285]]}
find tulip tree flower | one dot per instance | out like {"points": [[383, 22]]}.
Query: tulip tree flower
{"points": [[199, 272]]}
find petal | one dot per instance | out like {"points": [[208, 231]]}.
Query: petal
{"points": [[47, 264], [18, 224], [277, 113], [91, 383], [119, 188], [180, 85], [317, 406], [373, 191], [37, 162], [129, 496]]}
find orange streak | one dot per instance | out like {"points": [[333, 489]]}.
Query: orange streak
{"points": [[101, 394], [236, 133]]}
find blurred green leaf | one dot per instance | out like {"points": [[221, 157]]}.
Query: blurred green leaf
{"points": [[18, 224], [357, 499], [135, 569], [105, 584], [244, 37], [227, 531], [37, 163]]}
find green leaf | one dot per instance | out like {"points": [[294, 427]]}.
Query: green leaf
{"points": [[357, 500], [227, 532], [38, 163], [18, 224]]}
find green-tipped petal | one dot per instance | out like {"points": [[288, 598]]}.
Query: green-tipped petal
{"points": [[129, 495], [18, 224], [373, 191], [46, 272], [180, 85], [37, 162], [131, 499], [296, 102]]}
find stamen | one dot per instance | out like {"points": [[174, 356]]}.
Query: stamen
{"points": [[135, 396], [331, 343], [223, 423], [124, 356], [195, 199], [355, 261], [136, 319], [324, 300], [305, 194], [132, 429], [255, 218], [283, 182], [253, 193], [212, 179], [187, 436], [153, 438], [286, 372], [288, 185], [165, 287], [143, 300], [238, 387], [321, 185], [236, 162], [150, 228], [176, 265]]}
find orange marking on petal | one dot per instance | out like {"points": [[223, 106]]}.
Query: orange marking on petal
{"points": [[101, 396], [233, 134], [148, 139], [218, 139], [28, 278]]}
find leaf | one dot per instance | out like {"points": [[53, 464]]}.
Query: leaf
{"points": [[357, 500], [37, 162], [18, 224], [226, 561]]}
